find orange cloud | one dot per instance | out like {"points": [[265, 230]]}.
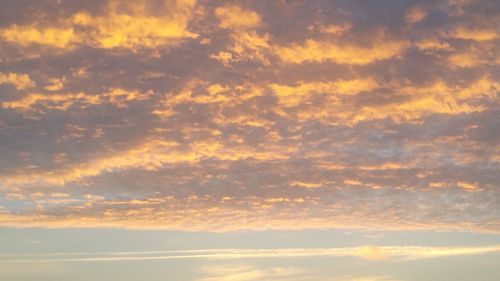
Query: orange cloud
{"points": [[63, 101], [336, 29], [468, 186], [343, 53], [476, 34], [327, 123], [236, 17], [296, 95], [467, 59], [419, 102], [20, 81], [432, 44], [415, 15], [305, 184], [55, 84], [58, 37], [126, 24], [150, 155], [137, 28]]}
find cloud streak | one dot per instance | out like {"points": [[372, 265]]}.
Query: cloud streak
{"points": [[365, 252]]}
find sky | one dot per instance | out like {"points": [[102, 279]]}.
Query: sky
{"points": [[342, 140]]}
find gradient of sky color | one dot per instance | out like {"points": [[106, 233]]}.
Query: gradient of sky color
{"points": [[250, 140]]}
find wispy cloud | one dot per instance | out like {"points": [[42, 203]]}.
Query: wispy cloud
{"points": [[365, 252], [248, 273]]}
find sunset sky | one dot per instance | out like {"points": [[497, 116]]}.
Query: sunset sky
{"points": [[341, 140]]}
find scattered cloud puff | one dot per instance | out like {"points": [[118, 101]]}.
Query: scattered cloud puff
{"points": [[415, 15], [225, 116], [236, 17], [19, 81]]}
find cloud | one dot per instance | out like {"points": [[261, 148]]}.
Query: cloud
{"points": [[382, 48], [369, 278], [150, 155], [296, 95], [477, 34], [365, 252], [336, 29], [64, 101], [415, 15], [232, 116], [55, 84], [364, 205], [414, 102], [19, 81], [50, 36], [137, 27], [128, 24], [248, 273], [432, 44], [233, 16], [246, 43]]}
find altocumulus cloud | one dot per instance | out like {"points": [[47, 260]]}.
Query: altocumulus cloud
{"points": [[225, 116]]}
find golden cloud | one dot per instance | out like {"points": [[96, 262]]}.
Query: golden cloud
{"points": [[343, 53], [150, 155], [58, 37], [20, 81], [419, 101], [236, 17], [292, 117], [296, 95], [476, 34], [64, 101], [128, 24]]}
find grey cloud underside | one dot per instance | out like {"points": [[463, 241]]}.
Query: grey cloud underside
{"points": [[370, 158]]}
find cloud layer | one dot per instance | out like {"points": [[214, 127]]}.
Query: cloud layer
{"points": [[227, 116]]}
